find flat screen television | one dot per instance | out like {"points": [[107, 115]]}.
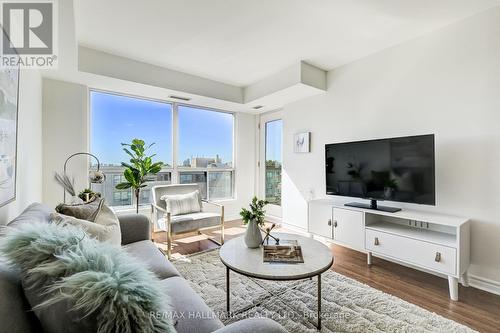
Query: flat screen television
{"points": [[395, 169]]}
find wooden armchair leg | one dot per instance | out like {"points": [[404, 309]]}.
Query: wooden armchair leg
{"points": [[222, 234]]}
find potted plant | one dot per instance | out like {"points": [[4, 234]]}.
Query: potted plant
{"points": [[87, 195], [254, 218], [140, 169]]}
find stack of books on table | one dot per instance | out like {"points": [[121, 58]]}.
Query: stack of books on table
{"points": [[287, 252]]}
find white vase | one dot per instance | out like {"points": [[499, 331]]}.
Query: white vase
{"points": [[253, 237]]}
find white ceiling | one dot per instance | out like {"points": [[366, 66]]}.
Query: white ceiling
{"points": [[240, 42]]}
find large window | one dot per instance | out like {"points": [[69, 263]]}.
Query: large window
{"points": [[203, 148], [273, 161], [205, 138], [206, 150], [118, 119]]}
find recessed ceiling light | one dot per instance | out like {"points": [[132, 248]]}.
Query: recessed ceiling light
{"points": [[180, 98]]}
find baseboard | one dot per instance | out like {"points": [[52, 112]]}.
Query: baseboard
{"points": [[484, 284]]}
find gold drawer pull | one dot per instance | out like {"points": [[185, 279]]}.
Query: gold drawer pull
{"points": [[376, 241], [438, 257]]}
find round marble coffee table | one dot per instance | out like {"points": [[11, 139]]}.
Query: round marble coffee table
{"points": [[249, 262]]}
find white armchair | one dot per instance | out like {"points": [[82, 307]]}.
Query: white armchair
{"points": [[163, 220]]}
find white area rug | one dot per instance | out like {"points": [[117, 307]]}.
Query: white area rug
{"points": [[347, 305]]}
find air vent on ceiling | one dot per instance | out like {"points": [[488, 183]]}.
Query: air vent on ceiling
{"points": [[180, 98], [258, 107]]}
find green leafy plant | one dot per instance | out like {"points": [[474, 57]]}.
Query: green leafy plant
{"points": [[83, 194], [256, 212], [140, 169]]}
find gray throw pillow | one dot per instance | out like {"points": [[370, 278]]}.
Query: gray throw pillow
{"points": [[77, 284], [86, 211], [106, 227]]}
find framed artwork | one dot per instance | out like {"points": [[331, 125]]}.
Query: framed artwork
{"points": [[301, 142], [9, 92]]}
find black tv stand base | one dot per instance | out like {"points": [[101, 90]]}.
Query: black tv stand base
{"points": [[373, 205]]}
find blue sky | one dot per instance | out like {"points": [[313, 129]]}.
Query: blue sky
{"points": [[273, 140], [116, 119]]}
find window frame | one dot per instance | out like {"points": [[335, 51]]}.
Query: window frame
{"points": [[174, 169]]}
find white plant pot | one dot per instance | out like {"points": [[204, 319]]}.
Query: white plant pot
{"points": [[253, 236]]}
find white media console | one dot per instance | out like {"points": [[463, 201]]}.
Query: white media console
{"points": [[432, 242]]}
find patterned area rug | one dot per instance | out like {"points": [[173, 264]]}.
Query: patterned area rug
{"points": [[347, 305]]}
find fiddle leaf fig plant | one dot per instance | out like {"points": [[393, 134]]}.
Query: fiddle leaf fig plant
{"points": [[256, 212], [140, 169]]}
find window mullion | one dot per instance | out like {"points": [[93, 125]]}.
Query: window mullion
{"points": [[175, 143], [208, 185]]}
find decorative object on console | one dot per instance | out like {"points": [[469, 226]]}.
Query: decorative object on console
{"points": [[301, 142], [9, 91], [140, 169], [95, 176], [254, 218]]}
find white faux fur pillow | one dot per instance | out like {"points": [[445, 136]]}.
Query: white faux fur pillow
{"points": [[179, 204]]}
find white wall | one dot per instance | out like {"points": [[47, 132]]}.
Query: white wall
{"points": [[65, 124], [65, 131], [29, 146], [447, 83], [245, 163]]}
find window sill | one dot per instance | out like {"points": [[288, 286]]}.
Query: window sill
{"points": [[223, 200], [130, 209], [147, 207]]}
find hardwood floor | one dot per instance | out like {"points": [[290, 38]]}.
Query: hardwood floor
{"points": [[477, 309]]}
